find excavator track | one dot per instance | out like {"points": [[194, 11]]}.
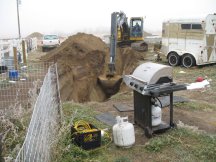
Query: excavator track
{"points": [[138, 46]]}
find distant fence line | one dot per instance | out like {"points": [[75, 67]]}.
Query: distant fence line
{"points": [[22, 47]]}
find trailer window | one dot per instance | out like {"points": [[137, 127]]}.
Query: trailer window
{"points": [[186, 26], [196, 26]]}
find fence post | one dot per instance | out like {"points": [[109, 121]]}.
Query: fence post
{"points": [[24, 52], [15, 58]]}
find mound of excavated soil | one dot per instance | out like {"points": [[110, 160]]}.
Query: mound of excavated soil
{"points": [[81, 59], [35, 34]]}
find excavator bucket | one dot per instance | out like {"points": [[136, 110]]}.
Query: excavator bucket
{"points": [[110, 84]]}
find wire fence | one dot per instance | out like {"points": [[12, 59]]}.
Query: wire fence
{"points": [[31, 90], [44, 122], [21, 87]]}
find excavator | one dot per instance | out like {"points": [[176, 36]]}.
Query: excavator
{"points": [[121, 35], [130, 35]]}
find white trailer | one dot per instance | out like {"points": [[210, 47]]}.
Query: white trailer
{"points": [[190, 42]]}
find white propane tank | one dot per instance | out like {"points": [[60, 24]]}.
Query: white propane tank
{"points": [[123, 132], [156, 115]]}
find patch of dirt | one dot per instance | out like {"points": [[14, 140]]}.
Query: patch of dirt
{"points": [[34, 56], [81, 59], [203, 120]]}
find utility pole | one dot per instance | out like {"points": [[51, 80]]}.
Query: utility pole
{"points": [[18, 19]]}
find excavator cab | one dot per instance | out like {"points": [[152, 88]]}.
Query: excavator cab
{"points": [[136, 29]]}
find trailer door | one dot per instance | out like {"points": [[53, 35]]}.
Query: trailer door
{"points": [[182, 32], [173, 36], [210, 37]]}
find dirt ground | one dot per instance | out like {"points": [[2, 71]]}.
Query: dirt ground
{"points": [[82, 58], [202, 120]]}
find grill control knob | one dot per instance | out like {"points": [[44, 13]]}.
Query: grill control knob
{"points": [[136, 86], [141, 88], [131, 83]]}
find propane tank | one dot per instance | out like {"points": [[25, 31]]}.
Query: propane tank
{"points": [[156, 115], [123, 132]]}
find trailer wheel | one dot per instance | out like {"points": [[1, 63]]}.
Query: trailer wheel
{"points": [[188, 60], [173, 59]]}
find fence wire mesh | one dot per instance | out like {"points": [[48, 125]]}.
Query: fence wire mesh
{"points": [[44, 122], [21, 93]]}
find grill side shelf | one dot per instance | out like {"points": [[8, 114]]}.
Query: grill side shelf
{"points": [[167, 90]]}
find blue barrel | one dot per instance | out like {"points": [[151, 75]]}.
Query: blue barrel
{"points": [[13, 75]]}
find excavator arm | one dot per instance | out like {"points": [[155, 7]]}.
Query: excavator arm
{"points": [[118, 19], [113, 43], [111, 82]]}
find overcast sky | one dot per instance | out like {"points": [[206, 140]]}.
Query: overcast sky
{"points": [[71, 16]]}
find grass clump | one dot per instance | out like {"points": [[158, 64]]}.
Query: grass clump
{"points": [[196, 105], [158, 143], [192, 145], [122, 159]]}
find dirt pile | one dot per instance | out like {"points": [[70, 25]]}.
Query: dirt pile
{"points": [[35, 34], [81, 59]]}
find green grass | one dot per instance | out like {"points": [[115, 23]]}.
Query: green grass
{"points": [[67, 151], [80, 112], [122, 159], [185, 145], [191, 74], [196, 106], [180, 144]]}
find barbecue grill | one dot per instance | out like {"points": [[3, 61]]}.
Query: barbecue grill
{"points": [[150, 81]]}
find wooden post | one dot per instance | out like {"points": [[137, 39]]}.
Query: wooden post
{"points": [[24, 52], [15, 58]]}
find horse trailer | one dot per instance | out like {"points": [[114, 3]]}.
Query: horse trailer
{"points": [[190, 42]]}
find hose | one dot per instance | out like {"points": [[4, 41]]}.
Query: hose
{"points": [[159, 101]]}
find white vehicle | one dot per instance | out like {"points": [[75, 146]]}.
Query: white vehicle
{"points": [[49, 42], [190, 42]]}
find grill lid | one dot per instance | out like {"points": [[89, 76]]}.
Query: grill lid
{"points": [[151, 73], [148, 76]]}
